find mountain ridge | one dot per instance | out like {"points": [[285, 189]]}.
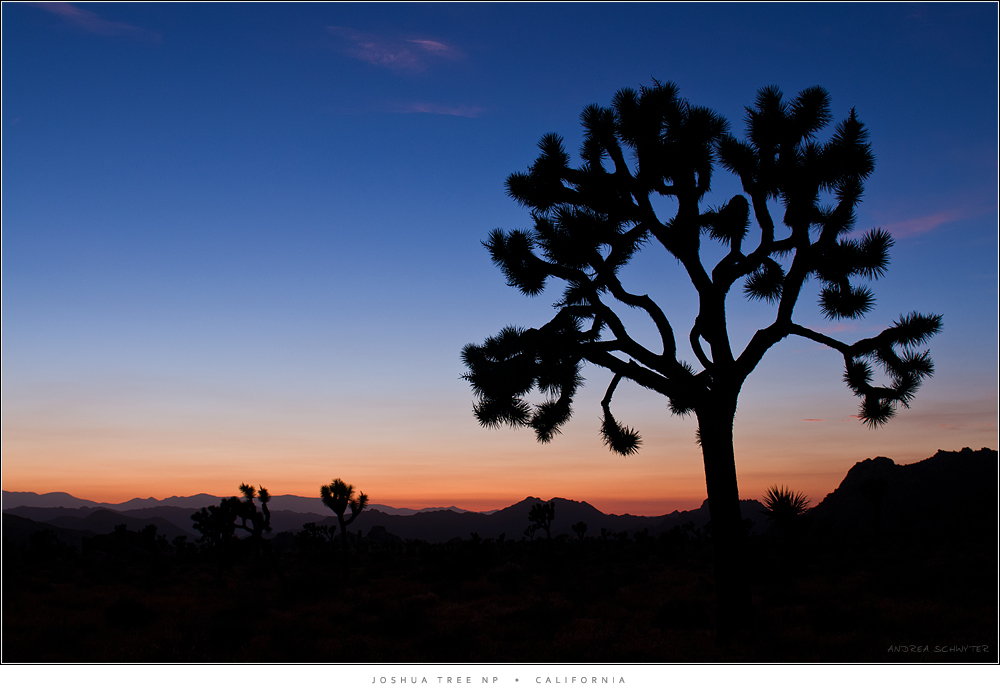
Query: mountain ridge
{"points": [[285, 503], [957, 487]]}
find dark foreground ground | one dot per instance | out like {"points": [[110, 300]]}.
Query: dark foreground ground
{"points": [[636, 599]]}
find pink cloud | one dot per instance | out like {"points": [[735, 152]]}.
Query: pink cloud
{"points": [[435, 47], [921, 225], [407, 54], [444, 110], [971, 205], [810, 419], [91, 22]]}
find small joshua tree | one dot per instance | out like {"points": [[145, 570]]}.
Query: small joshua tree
{"points": [[542, 515], [313, 534], [217, 523], [580, 529], [254, 522], [339, 496]]}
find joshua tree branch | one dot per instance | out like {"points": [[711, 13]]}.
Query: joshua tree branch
{"points": [[611, 389], [630, 370], [625, 343], [695, 338], [654, 312], [818, 337]]}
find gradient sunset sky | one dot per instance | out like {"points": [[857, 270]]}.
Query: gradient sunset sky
{"points": [[242, 242]]}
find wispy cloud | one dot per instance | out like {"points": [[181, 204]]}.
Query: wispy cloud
{"points": [[916, 226], [812, 419], [435, 47], [93, 23], [393, 53], [444, 110], [903, 227]]}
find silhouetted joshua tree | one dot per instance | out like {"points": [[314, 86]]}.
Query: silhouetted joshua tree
{"points": [[542, 515], [580, 529], [590, 220], [254, 522], [217, 523], [313, 534], [338, 496]]}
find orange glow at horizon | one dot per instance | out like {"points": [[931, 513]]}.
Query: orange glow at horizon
{"points": [[506, 467], [118, 448]]}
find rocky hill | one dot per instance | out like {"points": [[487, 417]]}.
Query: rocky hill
{"points": [[952, 492]]}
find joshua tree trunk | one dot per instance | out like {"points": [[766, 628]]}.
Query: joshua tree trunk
{"points": [[343, 534], [728, 532]]}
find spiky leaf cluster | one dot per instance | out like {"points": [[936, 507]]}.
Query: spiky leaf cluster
{"points": [[729, 223], [508, 366], [837, 262], [621, 440], [893, 351], [766, 282], [782, 504], [781, 158]]}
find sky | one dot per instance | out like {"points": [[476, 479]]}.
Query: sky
{"points": [[242, 242]]}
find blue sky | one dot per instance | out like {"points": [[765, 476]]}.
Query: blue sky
{"points": [[245, 239]]}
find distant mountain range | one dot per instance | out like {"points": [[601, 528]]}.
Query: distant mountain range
{"points": [[432, 526], [877, 494], [281, 503]]}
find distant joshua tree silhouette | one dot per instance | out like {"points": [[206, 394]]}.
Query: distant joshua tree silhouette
{"points": [[339, 496], [542, 515], [217, 524], [589, 221], [313, 534], [254, 522], [580, 529]]}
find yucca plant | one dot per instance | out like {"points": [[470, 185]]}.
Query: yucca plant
{"points": [[782, 505]]}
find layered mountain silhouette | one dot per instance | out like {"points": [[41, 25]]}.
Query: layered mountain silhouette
{"points": [[432, 526], [952, 492], [280, 503], [943, 494], [169, 521], [441, 526], [72, 525]]}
